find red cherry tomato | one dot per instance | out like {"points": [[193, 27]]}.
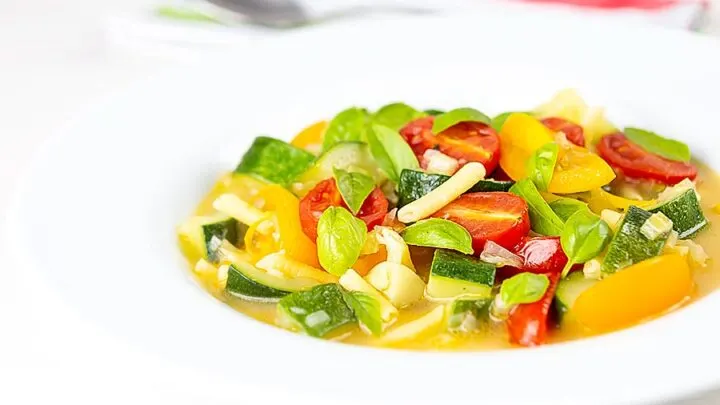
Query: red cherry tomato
{"points": [[528, 323], [634, 161], [573, 132], [465, 141], [499, 217], [326, 194], [540, 255]]}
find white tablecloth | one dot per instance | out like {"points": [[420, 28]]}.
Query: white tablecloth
{"points": [[53, 61]]}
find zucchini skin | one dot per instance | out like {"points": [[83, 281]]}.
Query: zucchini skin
{"points": [[629, 246], [230, 230], [458, 266], [415, 184], [685, 213], [324, 298], [274, 160], [241, 286]]}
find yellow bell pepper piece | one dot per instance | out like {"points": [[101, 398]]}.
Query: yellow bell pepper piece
{"points": [[520, 137], [599, 200], [260, 244], [716, 208], [365, 263], [286, 206], [577, 170], [634, 294], [310, 136]]}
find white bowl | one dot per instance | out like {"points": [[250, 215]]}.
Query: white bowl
{"points": [[97, 214]]}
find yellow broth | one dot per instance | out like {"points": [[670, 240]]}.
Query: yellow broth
{"points": [[494, 336]]}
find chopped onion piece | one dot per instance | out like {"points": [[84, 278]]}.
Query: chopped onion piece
{"points": [[671, 240], [592, 269], [656, 226], [438, 162], [499, 311], [696, 252], [499, 256]]}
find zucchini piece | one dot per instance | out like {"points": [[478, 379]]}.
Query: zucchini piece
{"points": [[317, 312], [274, 160], [415, 184], [467, 315], [250, 283], [628, 245], [206, 233], [685, 212], [350, 156], [568, 290], [454, 275]]}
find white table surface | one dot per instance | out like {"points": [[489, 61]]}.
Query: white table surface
{"points": [[53, 61]]}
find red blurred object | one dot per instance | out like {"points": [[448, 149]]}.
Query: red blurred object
{"points": [[613, 4]]}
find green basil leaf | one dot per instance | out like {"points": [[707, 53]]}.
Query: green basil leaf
{"points": [[348, 125], [564, 207], [434, 112], [186, 14], [652, 142], [452, 117], [367, 310], [438, 233], [541, 165], [340, 238], [524, 288], [543, 219], [390, 151], [354, 188], [396, 115], [584, 237]]}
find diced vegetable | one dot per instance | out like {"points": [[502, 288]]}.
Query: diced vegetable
{"points": [[279, 262], [435, 161], [599, 199], [438, 233], [274, 160], [344, 155], [415, 184], [454, 275], [250, 283], [685, 213], [428, 204], [696, 252], [396, 248], [656, 226], [569, 289], [397, 282], [592, 269], [629, 245], [527, 324], [206, 233], [424, 325], [467, 315], [317, 312], [640, 291], [612, 218], [387, 313], [499, 256], [579, 170], [540, 255], [543, 219]]}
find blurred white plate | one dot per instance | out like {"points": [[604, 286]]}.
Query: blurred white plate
{"points": [[96, 216]]}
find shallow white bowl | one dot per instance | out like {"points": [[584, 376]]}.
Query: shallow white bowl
{"points": [[97, 214]]}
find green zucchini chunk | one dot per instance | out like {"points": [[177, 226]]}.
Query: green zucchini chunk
{"points": [[317, 312], [629, 245], [467, 315], [569, 289], [274, 160], [454, 275], [686, 214], [415, 184], [206, 233]]}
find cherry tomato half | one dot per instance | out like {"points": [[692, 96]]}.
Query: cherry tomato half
{"points": [[528, 323], [326, 194], [496, 216], [634, 161], [465, 141], [540, 255], [573, 132]]}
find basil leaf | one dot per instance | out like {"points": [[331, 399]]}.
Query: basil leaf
{"points": [[390, 151], [367, 310], [543, 219], [433, 112], [340, 238], [354, 188], [438, 233], [584, 237], [396, 115], [452, 117], [524, 288], [564, 207], [186, 14], [348, 125], [652, 142], [541, 165]]}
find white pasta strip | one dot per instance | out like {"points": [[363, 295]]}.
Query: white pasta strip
{"points": [[428, 204], [232, 205], [293, 268]]}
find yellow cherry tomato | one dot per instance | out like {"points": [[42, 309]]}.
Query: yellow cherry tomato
{"points": [[634, 294], [520, 137], [577, 170], [310, 136], [286, 207]]}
